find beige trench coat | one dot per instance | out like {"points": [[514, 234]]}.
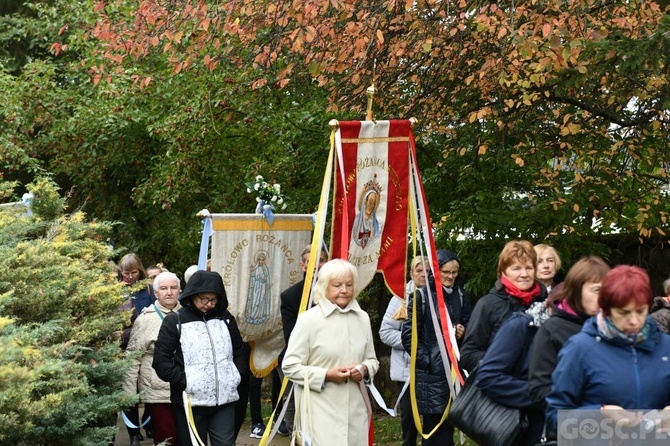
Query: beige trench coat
{"points": [[326, 336], [141, 375]]}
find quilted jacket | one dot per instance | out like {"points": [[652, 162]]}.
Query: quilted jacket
{"points": [[141, 376], [432, 390], [202, 353]]}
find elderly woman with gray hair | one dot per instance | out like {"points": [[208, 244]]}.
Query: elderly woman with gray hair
{"points": [[331, 350], [200, 352], [154, 392]]}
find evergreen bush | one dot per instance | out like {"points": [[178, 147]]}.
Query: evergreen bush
{"points": [[60, 361]]}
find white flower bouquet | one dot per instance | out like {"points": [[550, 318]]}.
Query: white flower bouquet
{"points": [[267, 195]]}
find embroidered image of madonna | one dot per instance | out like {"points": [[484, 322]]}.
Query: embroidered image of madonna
{"points": [[366, 225], [259, 297]]}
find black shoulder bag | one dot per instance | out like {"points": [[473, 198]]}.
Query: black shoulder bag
{"points": [[484, 420]]}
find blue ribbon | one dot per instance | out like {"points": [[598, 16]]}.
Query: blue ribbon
{"points": [[204, 242], [130, 424], [269, 216]]}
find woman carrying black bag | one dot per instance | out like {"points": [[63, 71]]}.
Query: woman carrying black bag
{"points": [[503, 372]]}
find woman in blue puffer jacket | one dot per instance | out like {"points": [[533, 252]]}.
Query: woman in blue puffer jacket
{"points": [[618, 365]]}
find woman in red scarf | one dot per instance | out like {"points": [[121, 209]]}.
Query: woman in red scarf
{"points": [[515, 290]]}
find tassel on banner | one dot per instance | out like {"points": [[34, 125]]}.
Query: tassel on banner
{"points": [[448, 332], [420, 226]]}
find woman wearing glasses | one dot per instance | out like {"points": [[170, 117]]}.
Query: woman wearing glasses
{"points": [[200, 351], [431, 386]]}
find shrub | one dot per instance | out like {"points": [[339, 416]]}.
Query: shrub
{"points": [[60, 362]]}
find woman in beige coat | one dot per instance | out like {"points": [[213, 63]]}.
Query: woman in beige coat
{"points": [[331, 346], [154, 392]]}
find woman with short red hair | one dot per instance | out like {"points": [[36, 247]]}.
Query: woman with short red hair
{"points": [[515, 291], [618, 363]]}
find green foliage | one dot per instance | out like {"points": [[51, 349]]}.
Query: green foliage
{"points": [[47, 204], [146, 121], [6, 189], [60, 363], [150, 158]]}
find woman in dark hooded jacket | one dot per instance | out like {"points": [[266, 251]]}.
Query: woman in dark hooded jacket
{"points": [[432, 388], [573, 302], [200, 351]]}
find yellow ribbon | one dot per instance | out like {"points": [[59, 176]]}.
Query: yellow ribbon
{"points": [[415, 342], [191, 422], [314, 255]]}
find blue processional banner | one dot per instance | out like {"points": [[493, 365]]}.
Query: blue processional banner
{"points": [[257, 262]]}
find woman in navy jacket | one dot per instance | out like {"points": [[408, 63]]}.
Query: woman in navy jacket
{"points": [[503, 372], [619, 362], [432, 388]]}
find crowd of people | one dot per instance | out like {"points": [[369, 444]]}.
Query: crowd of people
{"points": [[170, 360], [541, 341], [514, 337]]}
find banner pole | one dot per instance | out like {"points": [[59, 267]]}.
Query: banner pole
{"points": [[370, 93]]}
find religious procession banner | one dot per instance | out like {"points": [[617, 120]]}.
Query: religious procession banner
{"points": [[378, 206], [370, 207], [257, 262]]}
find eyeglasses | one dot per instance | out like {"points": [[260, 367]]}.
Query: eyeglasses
{"points": [[134, 273], [450, 273], [205, 300]]}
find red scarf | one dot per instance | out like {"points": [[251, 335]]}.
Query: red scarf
{"points": [[526, 297]]}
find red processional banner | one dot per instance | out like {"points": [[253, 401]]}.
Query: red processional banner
{"points": [[370, 207]]}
